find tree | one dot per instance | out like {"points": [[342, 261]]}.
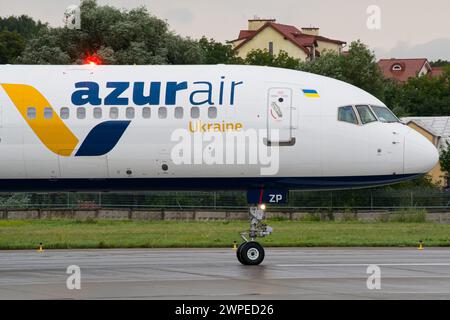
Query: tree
{"points": [[11, 45], [440, 63], [329, 64], [116, 36], [217, 53], [23, 25], [183, 51], [425, 96], [361, 69], [265, 58], [137, 53], [14, 33], [44, 50], [444, 160], [392, 93]]}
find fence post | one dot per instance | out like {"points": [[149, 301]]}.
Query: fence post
{"points": [[289, 198], [371, 200], [331, 193]]}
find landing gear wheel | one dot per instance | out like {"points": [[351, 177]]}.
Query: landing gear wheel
{"points": [[251, 253], [238, 253]]}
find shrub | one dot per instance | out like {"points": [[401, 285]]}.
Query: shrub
{"points": [[409, 215]]}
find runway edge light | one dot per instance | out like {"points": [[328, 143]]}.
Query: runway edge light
{"points": [[234, 245], [420, 245], [41, 248]]}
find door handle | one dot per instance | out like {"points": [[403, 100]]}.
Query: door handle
{"points": [[277, 109], [269, 143]]}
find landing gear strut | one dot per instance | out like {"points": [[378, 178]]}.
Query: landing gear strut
{"points": [[251, 252]]}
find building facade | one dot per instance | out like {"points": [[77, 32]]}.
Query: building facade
{"points": [[437, 130], [267, 34]]}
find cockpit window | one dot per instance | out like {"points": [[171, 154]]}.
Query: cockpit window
{"points": [[384, 114], [365, 114], [347, 114]]}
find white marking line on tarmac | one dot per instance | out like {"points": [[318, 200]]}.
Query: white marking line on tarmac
{"points": [[414, 292], [367, 264]]}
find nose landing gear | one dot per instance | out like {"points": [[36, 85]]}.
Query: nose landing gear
{"points": [[251, 252]]}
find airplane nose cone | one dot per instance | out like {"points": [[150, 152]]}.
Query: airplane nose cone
{"points": [[420, 154]]}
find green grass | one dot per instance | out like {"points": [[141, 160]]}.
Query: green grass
{"points": [[64, 234]]}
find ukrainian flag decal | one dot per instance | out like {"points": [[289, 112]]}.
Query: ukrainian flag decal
{"points": [[311, 93]]}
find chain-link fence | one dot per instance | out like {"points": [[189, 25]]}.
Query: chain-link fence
{"points": [[369, 199]]}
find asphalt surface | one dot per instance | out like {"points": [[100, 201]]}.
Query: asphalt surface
{"points": [[319, 273]]}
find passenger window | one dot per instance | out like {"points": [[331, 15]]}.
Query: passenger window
{"points": [[365, 114], [81, 113], [212, 112], [64, 113], [146, 112], [114, 113], [97, 112], [195, 113], [129, 113], [162, 112], [31, 113], [178, 113], [48, 113], [347, 114]]}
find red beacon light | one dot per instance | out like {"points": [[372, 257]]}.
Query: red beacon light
{"points": [[92, 60]]}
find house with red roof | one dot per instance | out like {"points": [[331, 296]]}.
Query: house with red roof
{"points": [[402, 69], [304, 44]]}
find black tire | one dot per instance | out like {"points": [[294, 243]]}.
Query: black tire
{"points": [[238, 253], [251, 253]]}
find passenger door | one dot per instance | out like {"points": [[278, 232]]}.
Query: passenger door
{"points": [[279, 117]]}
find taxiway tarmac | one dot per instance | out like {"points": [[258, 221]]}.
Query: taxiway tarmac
{"points": [[288, 273]]}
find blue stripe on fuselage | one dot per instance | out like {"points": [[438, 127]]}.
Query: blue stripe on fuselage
{"points": [[102, 138], [142, 184]]}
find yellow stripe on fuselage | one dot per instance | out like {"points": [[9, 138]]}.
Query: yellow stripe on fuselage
{"points": [[52, 132]]}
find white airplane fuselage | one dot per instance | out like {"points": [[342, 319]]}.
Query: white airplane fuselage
{"points": [[85, 128]]}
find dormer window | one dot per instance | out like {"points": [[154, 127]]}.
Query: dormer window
{"points": [[397, 67]]}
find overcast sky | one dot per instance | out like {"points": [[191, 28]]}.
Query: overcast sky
{"points": [[409, 28]]}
